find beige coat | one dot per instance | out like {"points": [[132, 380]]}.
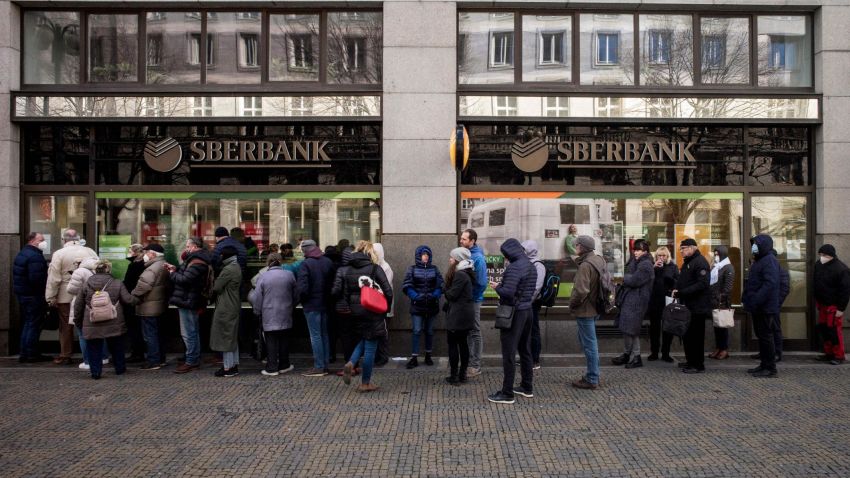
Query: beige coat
{"points": [[62, 265], [152, 290], [586, 285]]}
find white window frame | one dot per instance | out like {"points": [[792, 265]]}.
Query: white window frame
{"points": [[301, 106], [652, 54], [505, 106], [506, 60], [596, 60], [156, 60], [553, 44], [561, 108], [358, 42], [611, 105], [722, 47], [202, 106], [306, 63], [247, 15], [246, 49], [253, 108]]}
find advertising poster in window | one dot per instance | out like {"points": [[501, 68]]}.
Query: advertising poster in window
{"points": [[700, 233], [114, 248]]}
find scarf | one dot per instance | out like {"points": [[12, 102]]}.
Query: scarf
{"points": [[715, 271]]}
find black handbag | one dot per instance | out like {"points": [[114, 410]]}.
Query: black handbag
{"points": [[676, 319], [51, 319], [504, 316]]}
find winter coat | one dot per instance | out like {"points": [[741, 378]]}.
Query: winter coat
{"points": [[481, 277], [761, 290], [78, 281], [832, 284], [367, 325], [189, 281], [586, 285], [388, 271], [274, 299], [460, 313], [314, 281], [340, 302], [531, 251], [693, 284], [117, 294], [134, 271], [721, 291], [423, 284], [62, 265], [665, 280], [633, 300], [225, 323], [241, 253], [257, 276], [29, 272], [519, 278], [152, 289]]}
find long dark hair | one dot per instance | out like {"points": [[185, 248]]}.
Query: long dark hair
{"points": [[450, 274]]}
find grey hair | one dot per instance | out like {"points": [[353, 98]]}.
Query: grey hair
{"points": [[103, 266], [67, 237]]}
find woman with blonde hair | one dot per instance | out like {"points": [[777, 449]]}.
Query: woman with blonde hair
{"points": [[366, 247], [666, 275]]}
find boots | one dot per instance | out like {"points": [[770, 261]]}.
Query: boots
{"points": [[621, 360], [635, 363], [413, 362], [428, 360]]}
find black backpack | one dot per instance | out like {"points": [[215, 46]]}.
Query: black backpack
{"points": [[549, 290], [676, 319]]}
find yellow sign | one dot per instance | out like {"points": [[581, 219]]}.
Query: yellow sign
{"points": [[460, 139]]}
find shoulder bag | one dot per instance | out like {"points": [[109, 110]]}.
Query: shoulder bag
{"points": [[371, 298]]}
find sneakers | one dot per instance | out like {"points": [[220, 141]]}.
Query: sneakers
{"points": [[412, 363], [269, 374], [501, 397], [536, 366], [231, 372], [151, 366], [472, 372], [84, 366], [315, 372], [583, 384], [287, 369], [428, 360], [347, 371], [185, 368], [105, 361], [523, 392], [836, 362]]}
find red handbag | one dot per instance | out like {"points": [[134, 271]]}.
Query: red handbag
{"points": [[372, 299]]}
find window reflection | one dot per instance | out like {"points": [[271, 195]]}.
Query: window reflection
{"points": [[666, 43], [607, 52], [725, 50], [113, 47], [485, 48], [235, 45], [51, 215], [173, 47], [51, 47], [784, 51], [355, 47], [294, 48]]}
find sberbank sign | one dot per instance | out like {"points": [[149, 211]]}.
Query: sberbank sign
{"points": [[532, 155]]}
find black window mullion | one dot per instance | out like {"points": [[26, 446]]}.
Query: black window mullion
{"points": [[517, 53], [323, 48], [84, 47], [264, 47], [697, 21], [142, 19], [202, 47], [576, 52], [636, 48], [754, 51]]}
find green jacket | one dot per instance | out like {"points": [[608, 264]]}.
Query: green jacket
{"points": [[225, 324]]}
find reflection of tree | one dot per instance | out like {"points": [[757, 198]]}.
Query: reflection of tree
{"points": [[734, 66], [63, 38], [113, 54], [283, 28], [348, 33]]}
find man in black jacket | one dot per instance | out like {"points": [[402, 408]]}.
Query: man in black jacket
{"points": [[134, 326], [694, 291], [314, 286], [191, 292], [832, 293], [29, 275]]}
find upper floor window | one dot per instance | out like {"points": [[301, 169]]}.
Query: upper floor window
{"points": [[725, 50], [552, 48], [556, 106], [713, 51], [251, 106], [607, 48], [784, 45], [249, 46], [202, 106], [505, 106], [501, 49], [659, 46]]}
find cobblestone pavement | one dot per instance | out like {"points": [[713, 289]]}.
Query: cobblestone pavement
{"points": [[649, 422]]}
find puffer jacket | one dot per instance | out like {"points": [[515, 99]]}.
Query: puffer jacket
{"points": [[519, 278], [423, 284], [340, 302], [78, 281], [62, 265], [693, 284], [189, 281], [274, 299], [636, 294], [314, 279], [152, 289], [241, 253], [29, 272], [367, 325], [761, 290], [832, 284], [460, 313], [117, 294]]}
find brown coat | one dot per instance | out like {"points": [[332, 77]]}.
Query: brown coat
{"points": [[586, 285], [152, 290], [117, 293]]}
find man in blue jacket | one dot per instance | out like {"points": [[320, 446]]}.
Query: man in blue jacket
{"points": [[222, 240], [314, 281], [469, 240], [761, 300], [29, 275]]}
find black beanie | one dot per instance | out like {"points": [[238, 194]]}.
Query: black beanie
{"points": [[228, 252], [827, 249]]}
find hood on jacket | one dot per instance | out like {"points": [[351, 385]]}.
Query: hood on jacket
{"points": [[512, 250], [229, 260], [764, 244], [423, 250], [359, 259], [379, 250], [531, 249], [347, 253], [200, 254], [89, 263], [722, 251]]}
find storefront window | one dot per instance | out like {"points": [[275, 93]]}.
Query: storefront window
{"points": [[779, 156], [172, 47], [725, 50], [51, 48], [355, 47], [294, 48], [52, 215], [56, 155], [607, 49], [113, 47], [784, 55], [234, 38], [667, 50], [485, 48], [547, 48]]}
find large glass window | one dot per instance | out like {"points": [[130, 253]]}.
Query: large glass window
{"points": [[294, 48], [51, 47], [173, 47], [113, 47], [235, 47], [785, 48], [56, 155], [725, 50], [779, 156], [51, 215], [485, 48], [355, 47], [607, 49], [667, 54]]}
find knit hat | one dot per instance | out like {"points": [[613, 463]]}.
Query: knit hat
{"points": [[221, 231], [308, 244], [228, 251], [827, 250], [155, 248], [460, 254], [586, 242], [688, 242]]}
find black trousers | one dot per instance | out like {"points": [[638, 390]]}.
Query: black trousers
{"points": [[277, 345], [134, 331], [658, 340], [518, 337], [458, 352], [766, 325], [694, 340], [116, 349], [382, 354]]}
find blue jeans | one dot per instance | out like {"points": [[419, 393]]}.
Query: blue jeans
{"points": [[32, 316], [418, 322], [317, 322], [587, 337], [191, 335], [84, 348], [150, 331], [231, 359], [366, 349], [116, 347]]}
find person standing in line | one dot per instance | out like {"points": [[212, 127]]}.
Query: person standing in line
{"points": [[222, 240], [531, 251], [761, 301], [517, 290], [314, 281], [347, 335], [383, 355], [666, 275], [832, 293], [423, 284], [460, 317], [334, 322], [224, 333], [84, 270], [583, 305], [469, 240], [109, 331], [695, 293], [368, 327], [722, 281], [152, 290], [190, 296], [29, 279], [62, 265], [634, 302], [273, 300], [135, 268]]}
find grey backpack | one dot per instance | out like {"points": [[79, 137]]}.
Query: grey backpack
{"points": [[101, 308]]}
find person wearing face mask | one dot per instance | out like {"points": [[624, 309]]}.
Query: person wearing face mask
{"points": [[136, 256], [761, 300], [722, 281], [633, 302], [152, 291], [190, 296], [832, 293], [693, 290], [29, 277]]}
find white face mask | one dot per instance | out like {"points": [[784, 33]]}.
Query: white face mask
{"points": [[82, 242], [146, 258], [42, 246], [824, 259], [755, 249], [716, 258]]}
